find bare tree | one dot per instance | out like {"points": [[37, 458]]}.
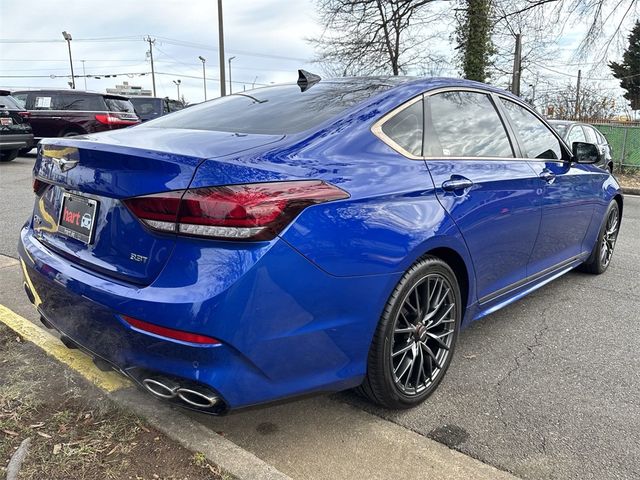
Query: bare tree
{"points": [[374, 36], [595, 103]]}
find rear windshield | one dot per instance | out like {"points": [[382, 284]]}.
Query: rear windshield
{"points": [[7, 101], [561, 128], [273, 110], [147, 106], [118, 105]]}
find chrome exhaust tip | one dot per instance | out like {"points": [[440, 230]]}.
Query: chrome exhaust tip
{"points": [[161, 388], [196, 398]]}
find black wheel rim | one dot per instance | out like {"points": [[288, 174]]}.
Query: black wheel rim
{"points": [[609, 237], [423, 334]]}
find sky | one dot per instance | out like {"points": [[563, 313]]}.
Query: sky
{"points": [[266, 37]]}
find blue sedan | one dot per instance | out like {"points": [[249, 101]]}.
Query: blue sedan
{"points": [[308, 237]]}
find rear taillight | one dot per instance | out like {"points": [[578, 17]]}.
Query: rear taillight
{"points": [[112, 119], [25, 115], [257, 211]]}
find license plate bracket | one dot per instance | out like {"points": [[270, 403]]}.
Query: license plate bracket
{"points": [[78, 217]]}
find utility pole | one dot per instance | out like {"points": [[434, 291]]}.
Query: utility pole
{"points": [[204, 76], [578, 95], [230, 86], [221, 50], [517, 65], [84, 74], [178, 82], [67, 37], [153, 72]]}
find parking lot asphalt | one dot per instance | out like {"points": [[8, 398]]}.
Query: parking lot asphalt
{"points": [[545, 388]]}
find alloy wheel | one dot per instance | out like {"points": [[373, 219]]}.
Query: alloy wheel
{"points": [[423, 334], [609, 237]]}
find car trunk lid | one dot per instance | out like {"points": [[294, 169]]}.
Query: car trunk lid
{"points": [[79, 212]]}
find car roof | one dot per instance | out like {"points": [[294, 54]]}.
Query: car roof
{"points": [[75, 92]]}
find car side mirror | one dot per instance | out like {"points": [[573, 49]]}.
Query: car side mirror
{"points": [[585, 152]]}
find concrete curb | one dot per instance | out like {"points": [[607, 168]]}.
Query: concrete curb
{"points": [[193, 436], [631, 190]]}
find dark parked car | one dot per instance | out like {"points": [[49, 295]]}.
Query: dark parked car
{"points": [[15, 130], [65, 113], [581, 132], [149, 108], [291, 240]]}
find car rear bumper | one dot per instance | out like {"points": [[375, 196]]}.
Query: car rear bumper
{"points": [[285, 326], [17, 141]]}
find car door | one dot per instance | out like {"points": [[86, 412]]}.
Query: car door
{"points": [[40, 104], [492, 195], [568, 190]]}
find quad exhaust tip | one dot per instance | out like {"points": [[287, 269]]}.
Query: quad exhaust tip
{"points": [[168, 389]]}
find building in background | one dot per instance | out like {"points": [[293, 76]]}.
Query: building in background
{"points": [[129, 90]]}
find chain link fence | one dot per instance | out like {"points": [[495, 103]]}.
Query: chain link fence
{"points": [[624, 141]]}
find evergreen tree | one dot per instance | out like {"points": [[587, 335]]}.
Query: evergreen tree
{"points": [[628, 71], [474, 39]]}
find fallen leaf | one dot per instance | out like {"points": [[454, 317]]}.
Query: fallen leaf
{"points": [[469, 357], [43, 435], [37, 425], [57, 448], [10, 432]]}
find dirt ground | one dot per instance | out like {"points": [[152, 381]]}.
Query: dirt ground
{"points": [[76, 432], [629, 179]]}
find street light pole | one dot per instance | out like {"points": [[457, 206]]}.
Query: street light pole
{"points": [[230, 85], [67, 37], [221, 50], [204, 76], [84, 74], [178, 82]]}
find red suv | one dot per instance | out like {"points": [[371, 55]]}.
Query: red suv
{"points": [[64, 113]]}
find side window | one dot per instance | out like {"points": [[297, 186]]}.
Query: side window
{"points": [[537, 139], [465, 124], [591, 135], [22, 98], [405, 128], [601, 139], [576, 135], [70, 101]]}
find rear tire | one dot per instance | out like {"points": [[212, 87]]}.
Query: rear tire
{"points": [[8, 155], [71, 134], [415, 338], [24, 151], [602, 252]]}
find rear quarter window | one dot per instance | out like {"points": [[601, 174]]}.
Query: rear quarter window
{"points": [[405, 128]]}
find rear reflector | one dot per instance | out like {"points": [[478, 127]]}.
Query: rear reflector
{"points": [[257, 211], [38, 186], [170, 332]]}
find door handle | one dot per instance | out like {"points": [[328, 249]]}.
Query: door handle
{"points": [[457, 183], [547, 175]]}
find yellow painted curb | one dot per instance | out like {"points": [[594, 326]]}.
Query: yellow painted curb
{"points": [[81, 363]]}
